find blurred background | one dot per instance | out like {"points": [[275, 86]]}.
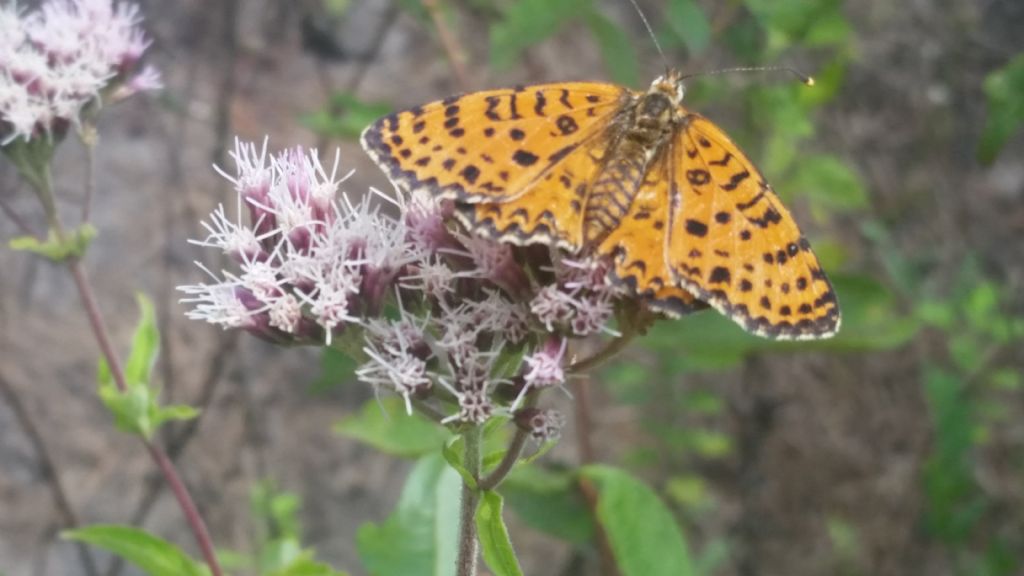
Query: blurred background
{"points": [[896, 448]]}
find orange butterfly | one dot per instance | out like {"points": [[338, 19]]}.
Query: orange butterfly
{"points": [[599, 169]]}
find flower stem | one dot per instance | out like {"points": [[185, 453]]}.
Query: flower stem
{"points": [[602, 355], [468, 546], [515, 449], [42, 182], [167, 469]]}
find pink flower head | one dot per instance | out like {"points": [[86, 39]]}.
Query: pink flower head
{"points": [[62, 57]]}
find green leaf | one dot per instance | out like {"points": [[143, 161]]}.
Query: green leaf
{"points": [[494, 540], [687, 20], [345, 116], [176, 412], [814, 22], [132, 409], [336, 367], [829, 184], [152, 555], [1003, 89], [278, 554], [305, 565], [137, 410], [529, 22], [74, 246], [690, 490], [955, 501], [616, 49], [385, 425], [641, 530], [452, 453], [549, 502], [420, 537], [275, 512], [145, 345]]}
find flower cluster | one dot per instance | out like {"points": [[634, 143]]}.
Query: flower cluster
{"points": [[64, 56], [433, 313]]}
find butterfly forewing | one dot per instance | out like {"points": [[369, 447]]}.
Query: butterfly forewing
{"points": [[735, 245], [490, 146]]}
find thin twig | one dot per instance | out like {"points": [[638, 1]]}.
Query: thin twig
{"points": [[48, 470], [589, 491], [584, 441], [226, 92], [452, 49], [89, 136], [187, 506], [22, 225]]}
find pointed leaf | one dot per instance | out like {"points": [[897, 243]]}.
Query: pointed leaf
{"points": [[385, 425], [152, 555], [145, 344], [420, 537], [642, 532], [494, 541]]}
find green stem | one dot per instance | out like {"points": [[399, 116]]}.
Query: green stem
{"points": [[468, 545], [603, 355], [515, 450]]}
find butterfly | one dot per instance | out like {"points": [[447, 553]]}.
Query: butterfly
{"points": [[597, 169]]}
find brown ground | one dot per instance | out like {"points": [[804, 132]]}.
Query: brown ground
{"points": [[908, 119]]}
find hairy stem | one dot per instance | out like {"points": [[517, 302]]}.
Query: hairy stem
{"points": [[468, 545]]}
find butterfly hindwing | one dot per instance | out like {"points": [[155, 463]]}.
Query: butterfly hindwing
{"points": [[734, 245], [638, 243]]}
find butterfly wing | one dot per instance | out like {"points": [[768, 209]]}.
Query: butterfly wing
{"points": [[637, 245], [490, 146], [516, 161], [733, 244]]}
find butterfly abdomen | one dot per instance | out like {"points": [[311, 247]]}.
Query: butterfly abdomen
{"points": [[613, 192], [615, 189]]}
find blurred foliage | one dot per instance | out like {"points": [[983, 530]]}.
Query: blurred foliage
{"points": [[276, 540], [966, 387], [1003, 89]]}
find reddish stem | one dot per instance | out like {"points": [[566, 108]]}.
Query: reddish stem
{"points": [[188, 507]]}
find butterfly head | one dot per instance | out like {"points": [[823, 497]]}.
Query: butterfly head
{"points": [[670, 85]]}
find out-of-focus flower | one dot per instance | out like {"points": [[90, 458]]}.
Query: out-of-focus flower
{"points": [[542, 425], [464, 324], [64, 56]]}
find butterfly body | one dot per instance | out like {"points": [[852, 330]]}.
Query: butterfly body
{"points": [[597, 169]]}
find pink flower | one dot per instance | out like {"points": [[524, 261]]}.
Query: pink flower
{"points": [[64, 56]]}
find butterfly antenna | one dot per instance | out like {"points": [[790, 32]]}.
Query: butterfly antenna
{"points": [[809, 81], [650, 31]]}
